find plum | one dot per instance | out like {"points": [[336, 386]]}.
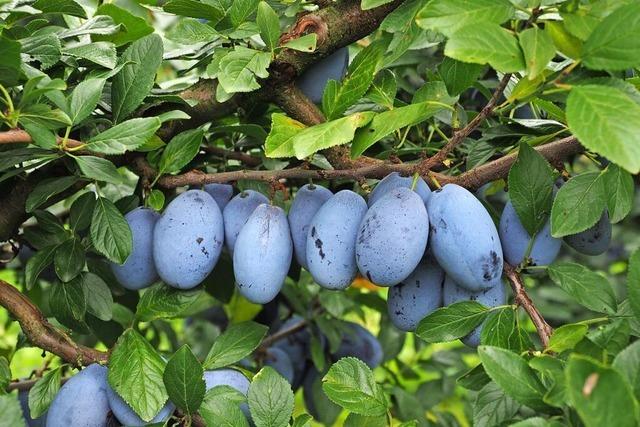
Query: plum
{"points": [[221, 193], [139, 270], [127, 416], [262, 254], [331, 241], [394, 180], [515, 240], [464, 239], [187, 240], [281, 362], [492, 297], [296, 346], [594, 240], [81, 401], [237, 212], [415, 297], [316, 401], [231, 378], [360, 343], [23, 396], [308, 200], [314, 79], [392, 237]]}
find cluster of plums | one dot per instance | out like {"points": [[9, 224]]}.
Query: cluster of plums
{"points": [[337, 236]]}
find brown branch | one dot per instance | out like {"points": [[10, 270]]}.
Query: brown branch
{"points": [[523, 300], [42, 333], [244, 158], [273, 338], [297, 105], [19, 136], [26, 385]]}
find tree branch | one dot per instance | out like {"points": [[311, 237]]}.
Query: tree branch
{"points": [[42, 333], [523, 300]]}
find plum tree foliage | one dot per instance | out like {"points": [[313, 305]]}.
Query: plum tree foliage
{"points": [[203, 203]]}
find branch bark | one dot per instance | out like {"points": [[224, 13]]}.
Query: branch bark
{"points": [[522, 299]]}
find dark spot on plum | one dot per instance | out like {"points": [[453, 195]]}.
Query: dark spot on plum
{"points": [[398, 313], [443, 223], [204, 251], [318, 243], [199, 200], [438, 190], [491, 266], [313, 232], [199, 240]]}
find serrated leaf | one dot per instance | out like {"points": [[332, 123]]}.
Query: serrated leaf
{"points": [[620, 192], [633, 282], [589, 289], [68, 7], [279, 143], [457, 75], [240, 69], [605, 120], [84, 99], [237, 342], [306, 43], [195, 9], [46, 189], [98, 168], [501, 329], [135, 373], [110, 232], [492, 407], [190, 31], [38, 263], [566, 337], [101, 53], [69, 259], [10, 66], [156, 200], [126, 136], [131, 27], [11, 411], [220, 407], [350, 383], [270, 399], [164, 302], [578, 204], [269, 25], [81, 211], [447, 16], [69, 302], [180, 150], [451, 322], [100, 300], [538, 48], [183, 378], [42, 393], [627, 362], [531, 188]]}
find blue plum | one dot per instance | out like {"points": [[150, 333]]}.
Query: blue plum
{"points": [[392, 237], [127, 416], [281, 362], [515, 240], [221, 193], [237, 212], [394, 180], [308, 200], [492, 297], [464, 239], [139, 270], [314, 79], [23, 396], [262, 254], [594, 240], [415, 297], [81, 401], [231, 378], [331, 242], [296, 346], [360, 343], [187, 240], [316, 401]]}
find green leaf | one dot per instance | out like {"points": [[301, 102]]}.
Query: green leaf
{"points": [[566, 337], [10, 66], [101, 53], [11, 410], [42, 393], [451, 322], [132, 27], [46, 189], [68, 7], [191, 31], [339, 96], [126, 136], [383, 89], [69, 302], [220, 407], [237, 342], [538, 48], [195, 9], [270, 399], [84, 99], [578, 204], [633, 282], [269, 25], [38, 263], [164, 302], [620, 192], [156, 200], [614, 43], [492, 407], [5, 374], [183, 378], [98, 168], [44, 48], [69, 259], [605, 120], [514, 376], [371, 4], [135, 373], [328, 134], [181, 150], [357, 420], [627, 363], [240, 68], [350, 383], [474, 379], [458, 76], [10, 158], [110, 232], [486, 43], [612, 337], [240, 11], [531, 188], [448, 16], [81, 211], [589, 289], [566, 43], [306, 43], [501, 329], [279, 143], [552, 370], [134, 82], [599, 394], [100, 300]]}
